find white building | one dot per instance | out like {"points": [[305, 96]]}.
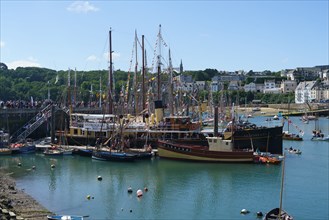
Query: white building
{"points": [[270, 87], [305, 92]]}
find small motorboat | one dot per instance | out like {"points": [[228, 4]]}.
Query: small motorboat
{"points": [[294, 151], [65, 217]]}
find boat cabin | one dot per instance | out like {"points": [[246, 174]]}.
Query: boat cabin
{"points": [[218, 144], [92, 125]]}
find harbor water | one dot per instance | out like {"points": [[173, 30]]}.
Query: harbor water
{"points": [[180, 190]]}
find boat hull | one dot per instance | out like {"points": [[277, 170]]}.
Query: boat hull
{"points": [[113, 156], [64, 217], [275, 214], [27, 149], [177, 151]]}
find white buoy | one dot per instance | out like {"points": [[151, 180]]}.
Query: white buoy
{"points": [[99, 178], [139, 193], [244, 211]]}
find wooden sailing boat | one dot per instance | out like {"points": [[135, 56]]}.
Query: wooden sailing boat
{"points": [[279, 213], [290, 136], [115, 153], [317, 133]]}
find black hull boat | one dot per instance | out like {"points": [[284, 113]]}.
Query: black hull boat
{"points": [[113, 156], [266, 139], [276, 214]]}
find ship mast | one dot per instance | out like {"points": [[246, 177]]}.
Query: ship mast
{"points": [[110, 89], [159, 63], [75, 87], [135, 78], [143, 74], [171, 101], [68, 88]]}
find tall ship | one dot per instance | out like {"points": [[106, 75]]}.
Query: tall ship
{"points": [[150, 125]]}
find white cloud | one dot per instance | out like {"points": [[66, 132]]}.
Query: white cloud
{"points": [[82, 6], [2, 44], [115, 56], [22, 63], [92, 58]]}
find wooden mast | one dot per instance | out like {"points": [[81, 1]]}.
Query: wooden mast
{"points": [[68, 88], [135, 78], [75, 87], [110, 89], [171, 101], [143, 75], [159, 64]]}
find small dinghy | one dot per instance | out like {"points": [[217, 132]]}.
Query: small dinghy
{"points": [[65, 217]]}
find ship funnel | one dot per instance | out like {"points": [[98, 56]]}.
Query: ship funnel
{"points": [[158, 110]]}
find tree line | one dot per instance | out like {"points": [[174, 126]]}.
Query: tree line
{"points": [[26, 82]]}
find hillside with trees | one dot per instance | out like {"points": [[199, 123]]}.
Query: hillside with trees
{"points": [[24, 83]]}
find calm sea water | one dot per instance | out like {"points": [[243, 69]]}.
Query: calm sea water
{"points": [[180, 190]]}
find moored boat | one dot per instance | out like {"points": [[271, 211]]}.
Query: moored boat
{"points": [[279, 213], [53, 152], [65, 217], [112, 156], [5, 151], [87, 152], [294, 151], [218, 151], [247, 136], [276, 214], [23, 148], [290, 136], [321, 138]]}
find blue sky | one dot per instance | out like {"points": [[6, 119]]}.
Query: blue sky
{"points": [[223, 35]]}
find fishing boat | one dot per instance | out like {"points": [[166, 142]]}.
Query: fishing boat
{"points": [[219, 150], [279, 213], [65, 217]]}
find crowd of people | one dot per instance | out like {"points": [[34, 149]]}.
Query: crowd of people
{"points": [[23, 104], [15, 104]]}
